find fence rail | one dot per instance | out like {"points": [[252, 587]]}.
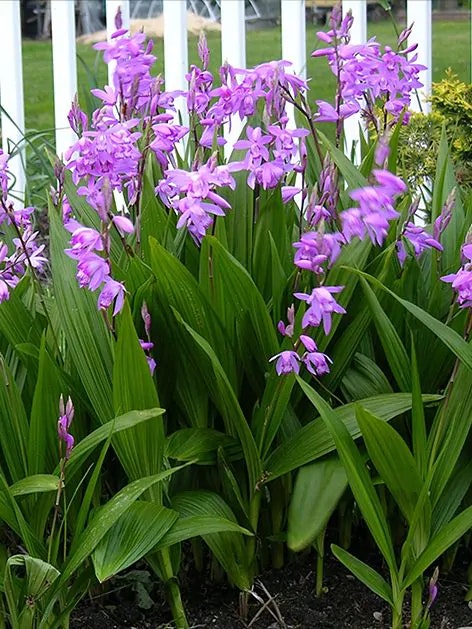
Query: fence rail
{"points": [[233, 33]]}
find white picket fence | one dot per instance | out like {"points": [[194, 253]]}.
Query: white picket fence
{"points": [[233, 40]]}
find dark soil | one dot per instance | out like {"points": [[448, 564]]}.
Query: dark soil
{"points": [[289, 593]]}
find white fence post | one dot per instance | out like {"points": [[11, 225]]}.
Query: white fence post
{"points": [[233, 51], [112, 7], [294, 34], [418, 12], [64, 70], [352, 145], [293, 22], [176, 50], [11, 92], [233, 33]]}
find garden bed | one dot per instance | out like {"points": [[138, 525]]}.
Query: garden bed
{"points": [[346, 604]]}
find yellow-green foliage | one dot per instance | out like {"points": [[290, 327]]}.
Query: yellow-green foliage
{"points": [[452, 99], [418, 148], [419, 141]]}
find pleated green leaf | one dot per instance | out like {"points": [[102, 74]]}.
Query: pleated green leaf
{"points": [[445, 181], [364, 378], [132, 536], [316, 493], [13, 426], [364, 573], [11, 513], [198, 525], [227, 403], [239, 222], [200, 445], [447, 335], [38, 483], [140, 450], [42, 434], [346, 347], [124, 422], [270, 413], [355, 254], [452, 423], [17, 323], [392, 459], [180, 382], [38, 576], [443, 540], [228, 547], [359, 479], [314, 440], [88, 340], [418, 425], [350, 172], [392, 344], [454, 493], [101, 522], [239, 301]]}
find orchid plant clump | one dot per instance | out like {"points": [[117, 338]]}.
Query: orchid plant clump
{"points": [[241, 284], [138, 116]]}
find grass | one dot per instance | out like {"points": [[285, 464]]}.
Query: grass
{"points": [[451, 48]]}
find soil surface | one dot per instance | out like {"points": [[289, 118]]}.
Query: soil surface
{"points": [[281, 599]]}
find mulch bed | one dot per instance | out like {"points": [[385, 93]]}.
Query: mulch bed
{"points": [[346, 604]]}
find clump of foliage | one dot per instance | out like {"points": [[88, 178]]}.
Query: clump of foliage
{"points": [[420, 140], [280, 303]]}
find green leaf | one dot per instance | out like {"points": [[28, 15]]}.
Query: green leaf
{"points": [[450, 431], [37, 483], [239, 223], [226, 401], [124, 422], [176, 288], [156, 221], [443, 540], [354, 254], [228, 547], [88, 340], [314, 440], [364, 573], [359, 479], [418, 425], [26, 577], [198, 525], [448, 336], [316, 493], [140, 450], [272, 261], [391, 342], [445, 181], [454, 493], [364, 378], [42, 434], [13, 425], [101, 522], [239, 296], [132, 536], [269, 415], [392, 459], [11, 513], [87, 497], [199, 444], [349, 171], [17, 323]]}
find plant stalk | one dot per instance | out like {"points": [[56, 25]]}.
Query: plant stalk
{"points": [[416, 603]]}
